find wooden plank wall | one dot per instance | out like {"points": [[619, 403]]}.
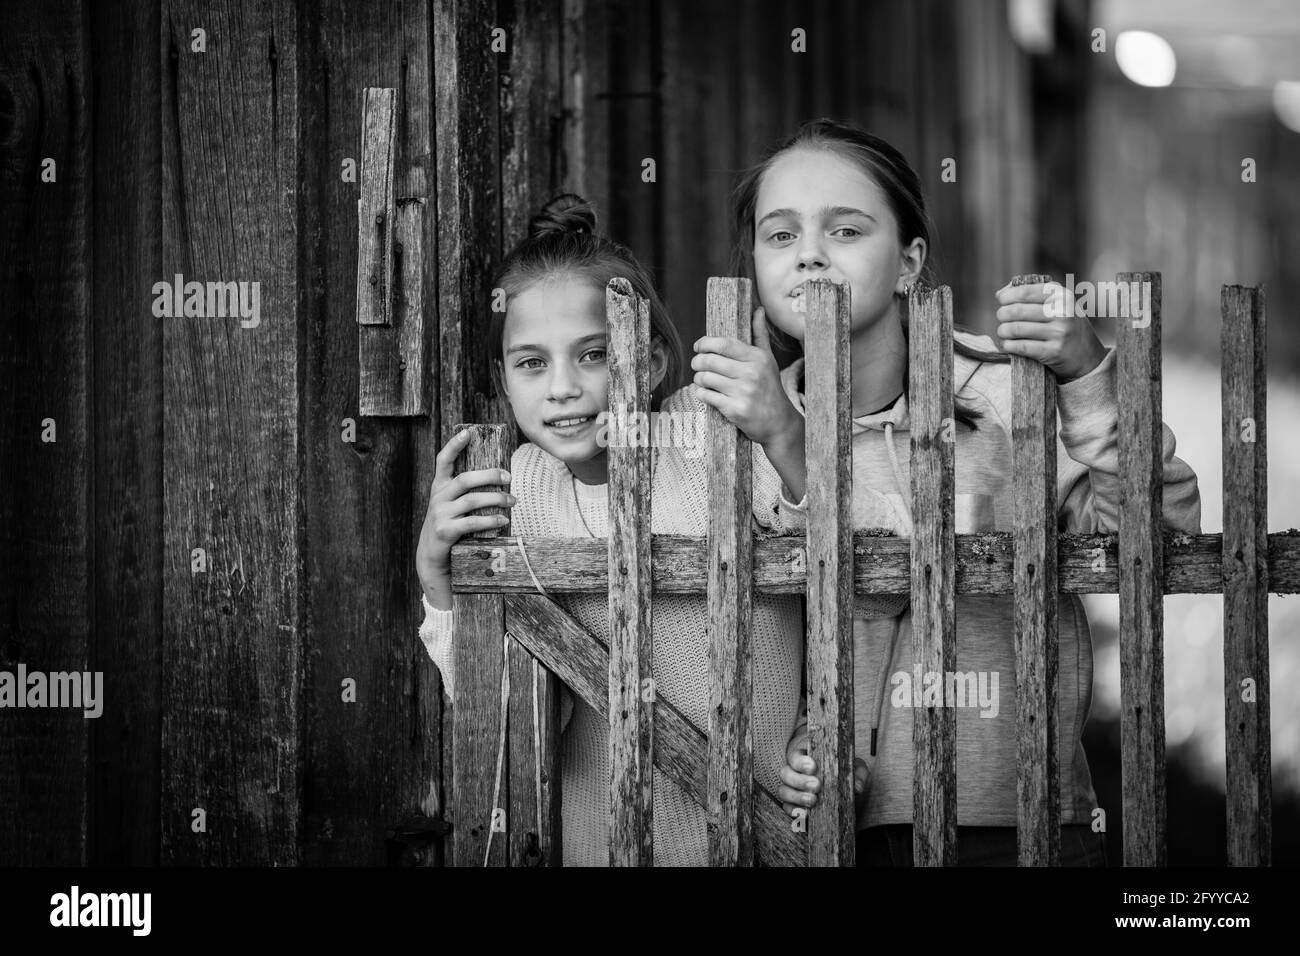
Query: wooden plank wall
{"points": [[46, 606], [231, 657], [375, 762]]}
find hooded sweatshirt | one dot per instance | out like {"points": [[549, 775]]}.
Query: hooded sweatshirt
{"points": [[983, 688]]}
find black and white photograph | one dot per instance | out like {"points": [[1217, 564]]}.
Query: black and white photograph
{"points": [[518, 434]]}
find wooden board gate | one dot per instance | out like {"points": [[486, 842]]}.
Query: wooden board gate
{"points": [[495, 592]]}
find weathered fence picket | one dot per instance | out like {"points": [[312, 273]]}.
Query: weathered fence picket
{"points": [[934, 635], [829, 542], [1245, 579], [631, 649], [730, 597], [494, 592], [1141, 569], [1033, 443], [478, 656]]}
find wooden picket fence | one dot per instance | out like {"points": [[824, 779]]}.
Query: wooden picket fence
{"points": [[506, 706]]}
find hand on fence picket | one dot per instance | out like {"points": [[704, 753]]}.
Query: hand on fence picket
{"points": [[799, 782], [743, 382], [1039, 322], [450, 517]]}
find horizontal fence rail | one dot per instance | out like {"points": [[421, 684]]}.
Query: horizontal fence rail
{"points": [[985, 564], [496, 591]]}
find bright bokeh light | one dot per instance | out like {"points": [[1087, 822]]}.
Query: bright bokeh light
{"points": [[1030, 22], [1145, 58], [1286, 103]]}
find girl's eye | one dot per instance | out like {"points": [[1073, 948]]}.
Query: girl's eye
{"points": [[598, 353], [781, 235], [525, 363], [850, 231]]}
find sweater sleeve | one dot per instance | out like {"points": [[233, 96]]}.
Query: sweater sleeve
{"points": [[435, 634], [772, 508], [1088, 479]]}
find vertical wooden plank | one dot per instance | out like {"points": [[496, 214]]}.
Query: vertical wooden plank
{"points": [[469, 207], [375, 207], [1033, 439], [573, 84], [926, 78], [787, 16], [822, 58], [46, 438], [828, 444], [128, 483], [934, 638], [534, 762], [585, 54], [415, 243], [695, 171], [371, 765], [635, 207], [1245, 579], [468, 227], [529, 84], [730, 589], [478, 654], [396, 148], [1141, 575], [231, 664], [631, 645]]}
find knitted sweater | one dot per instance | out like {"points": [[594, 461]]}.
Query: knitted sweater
{"points": [[549, 500], [1088, 483]]}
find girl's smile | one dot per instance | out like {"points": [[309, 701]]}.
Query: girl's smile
{"points": [[554, 370], [570, 427]]}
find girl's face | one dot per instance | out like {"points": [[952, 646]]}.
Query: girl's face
{"points": [[554, 371], [820, 216]]}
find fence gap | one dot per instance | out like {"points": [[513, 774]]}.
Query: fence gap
{"points": [[631, 680], [1141, 571], [828, 449], [1033, 440], [934, 640], [1246, 579], [730, 602], [478, 656], [581, 659], [533, 761]]}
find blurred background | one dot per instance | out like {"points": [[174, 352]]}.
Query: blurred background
{"points": [[1205, 86]]}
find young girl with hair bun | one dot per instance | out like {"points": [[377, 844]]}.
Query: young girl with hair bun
{"points": [[548, 353]]}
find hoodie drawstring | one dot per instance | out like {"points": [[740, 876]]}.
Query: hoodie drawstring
{"points": [[903, 492], [897, 621]]}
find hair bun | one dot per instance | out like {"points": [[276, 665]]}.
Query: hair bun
{"points": [[564, 215]]}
